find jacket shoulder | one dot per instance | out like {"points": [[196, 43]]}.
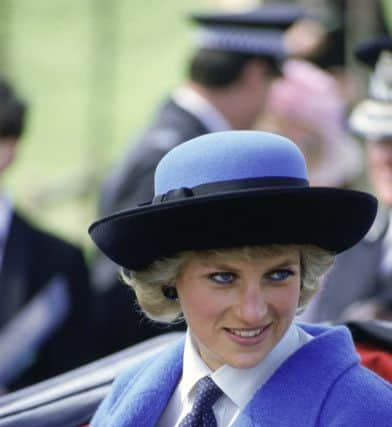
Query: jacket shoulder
{"points": [[359, 397], [122, 384], [119, 388], [147, 382], [171, 126]]}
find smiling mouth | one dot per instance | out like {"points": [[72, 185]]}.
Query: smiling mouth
{"points": [[247, 333]]}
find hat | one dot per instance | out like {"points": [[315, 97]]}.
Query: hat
{"points": [[372, 118], [278, 16], [229, 189], [368, 51], [257, 31]]}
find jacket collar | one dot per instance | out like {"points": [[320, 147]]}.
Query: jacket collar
{"points": [[278, 392], [14, 268], [188, 99], [156, 383], [159, 377]]}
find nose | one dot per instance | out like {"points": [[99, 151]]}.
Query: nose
{"points": [[252, 306]]}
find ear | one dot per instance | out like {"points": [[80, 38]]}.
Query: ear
{"points": [[7, 152], [170, 292]]}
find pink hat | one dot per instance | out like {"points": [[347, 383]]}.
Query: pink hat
{"points": [[308, 95]]}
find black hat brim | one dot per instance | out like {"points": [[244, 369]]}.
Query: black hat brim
{"points": [[333, 219], [369, 51], [276, 16]]}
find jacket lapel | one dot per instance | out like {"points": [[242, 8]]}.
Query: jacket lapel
{"points": [[13, 272], [295, 394]]}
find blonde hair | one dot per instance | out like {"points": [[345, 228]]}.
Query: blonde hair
{"points": [[148, 283]]}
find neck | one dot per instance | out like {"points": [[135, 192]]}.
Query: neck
{"points": [[229, 101]]}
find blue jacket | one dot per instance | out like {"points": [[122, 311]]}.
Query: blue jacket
{"points": [[322, 384]]}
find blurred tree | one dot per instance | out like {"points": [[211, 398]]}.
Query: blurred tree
{"points": [[103, 66], [5, 17]]}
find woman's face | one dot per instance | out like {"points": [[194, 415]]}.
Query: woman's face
{"points": [[380, 168], [238, 308]]}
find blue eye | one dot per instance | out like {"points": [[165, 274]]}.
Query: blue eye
{"points": [[279, 275], [223, 277]]}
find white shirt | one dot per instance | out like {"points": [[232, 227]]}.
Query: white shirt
{"points": [[5, 222], [386, 258], [194, 103], [238, 385]]}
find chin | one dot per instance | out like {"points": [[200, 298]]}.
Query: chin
{"points": [[245, 363]]}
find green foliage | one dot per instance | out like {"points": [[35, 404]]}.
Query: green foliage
{"points": [[92, 73]]}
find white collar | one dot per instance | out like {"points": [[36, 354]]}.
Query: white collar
{"points": [[247, 381], [388, 234], [6, 208], [193, 368], [194, 103]]}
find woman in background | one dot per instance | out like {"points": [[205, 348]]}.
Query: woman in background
{"points": [[306, 105]]}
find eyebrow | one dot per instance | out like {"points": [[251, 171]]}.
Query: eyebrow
{"points": [[287, 262], [226, 265]]}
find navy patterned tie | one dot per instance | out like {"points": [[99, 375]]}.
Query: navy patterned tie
{"points": [[207, 393]]}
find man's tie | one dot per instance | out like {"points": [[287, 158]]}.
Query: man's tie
{"points": [[207, 393]]}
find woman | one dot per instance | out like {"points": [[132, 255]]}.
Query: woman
{"points": [[318, 128], [236, 240]]}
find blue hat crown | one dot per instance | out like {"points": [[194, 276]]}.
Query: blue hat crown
{"points": [[230, 156]]}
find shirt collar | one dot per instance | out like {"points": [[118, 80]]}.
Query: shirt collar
{"points": [[247, 381], [5, 215], [388, 234], [193, 369], [191, 101]]}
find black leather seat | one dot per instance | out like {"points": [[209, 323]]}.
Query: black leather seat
{"points": [[70, 399], [373, 332]]}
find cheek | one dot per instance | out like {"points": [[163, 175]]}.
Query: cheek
{"points": [[201, 306], [379, 156], [374, 158], [286, 300]]}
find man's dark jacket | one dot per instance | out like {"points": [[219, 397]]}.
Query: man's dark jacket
{"points": [[44, 291], [132, 180]]}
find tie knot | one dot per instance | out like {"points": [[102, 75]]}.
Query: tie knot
{"points": [[202, 415], [207, 392]]}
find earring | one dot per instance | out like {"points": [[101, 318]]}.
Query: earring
{"points": [[170, 292]]}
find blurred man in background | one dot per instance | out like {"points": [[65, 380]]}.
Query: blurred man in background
{"points": [[359, 287], [43, 281], [229, 74], [237, 56]]}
